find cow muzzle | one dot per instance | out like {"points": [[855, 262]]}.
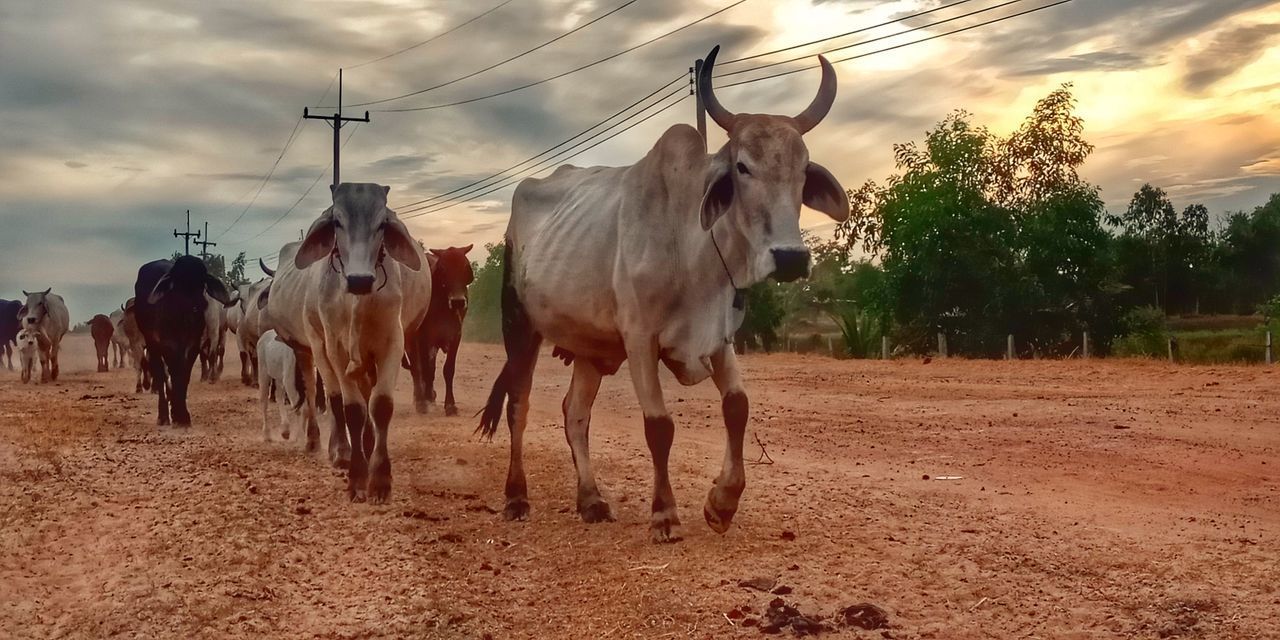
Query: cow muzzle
{"points": [[790, 264], [458, 304], [360, 284]]}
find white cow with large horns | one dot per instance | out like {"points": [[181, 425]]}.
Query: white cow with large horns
{"points": [[646, 264], [345, 298]]}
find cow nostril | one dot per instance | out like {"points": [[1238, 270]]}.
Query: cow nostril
{"points": [[790, 264], [360, 284]]}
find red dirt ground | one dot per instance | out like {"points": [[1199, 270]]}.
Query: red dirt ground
{"points": [[1103, 499]]}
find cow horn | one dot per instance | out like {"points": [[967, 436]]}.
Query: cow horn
{"points": [[722, 116], [817, 110], [265, 269]]}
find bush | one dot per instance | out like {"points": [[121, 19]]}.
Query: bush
{"points": [[1145, 333]]}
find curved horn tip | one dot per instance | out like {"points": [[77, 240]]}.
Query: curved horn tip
{"points": [[718, 113], [821, 105]]}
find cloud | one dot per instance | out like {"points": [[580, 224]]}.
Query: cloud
{"points": [[75, 164], [1230, 51], [1092, 61]]}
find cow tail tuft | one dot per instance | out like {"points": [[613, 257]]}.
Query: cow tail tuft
{"points": [[521, 342], [491, 414]]}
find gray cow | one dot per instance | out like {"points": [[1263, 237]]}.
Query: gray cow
{"points": [[47, 313], [647, 264]]}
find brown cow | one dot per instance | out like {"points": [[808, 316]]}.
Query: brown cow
{"points": [[451, 274], [101, 329]]}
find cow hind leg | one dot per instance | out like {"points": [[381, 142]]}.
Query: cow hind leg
{"points": [[722, 500], [158, 384], [264, 401], [577, 425], [659, 433], [450, 365]]}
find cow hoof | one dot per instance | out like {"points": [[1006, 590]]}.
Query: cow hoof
{"points": [[517, 510], [451, 410], [284, 435], [594, 512], [162, 421], [356, 495], [719, 521], [421, 407], [340, 459], [665, 528], [379, 489]]}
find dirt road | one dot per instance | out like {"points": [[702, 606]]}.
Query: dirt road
{"points": [[1095, 499]]}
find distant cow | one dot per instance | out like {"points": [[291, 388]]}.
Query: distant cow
{"points": [[101, 329], [451, 274], [170, 305], [9, 326], [47, 313], [213, 343], [647, 264], [129, 338], [251, 328], [278, 368], [32, 346], [348, 298]]}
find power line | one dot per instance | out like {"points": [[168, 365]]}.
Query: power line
{"points": [[473, 74], [904, 44], [432, 38], [845, 34], [570, 71], [553, 158], [535, 170], [297, 202], [505, 183], [270, 172], [876, 39], [545, 151]]}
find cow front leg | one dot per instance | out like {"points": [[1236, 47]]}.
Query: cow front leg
{"points": [[429, 373], [659, 432], [353, 411], [722, 501], [450, 365], [159, 382], [53, 363], [381, 408], [577, 426], [331, 392], [181, 384], [244, 369]]}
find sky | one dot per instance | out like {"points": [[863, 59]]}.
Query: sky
{"points": [[117, 117]]}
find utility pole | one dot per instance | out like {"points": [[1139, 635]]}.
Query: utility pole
{"points": [[701, 110], [335, 122], [205, 244], [187, 236]]}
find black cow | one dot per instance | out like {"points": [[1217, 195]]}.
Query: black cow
{"points": [[9, 326], [170, 312]]}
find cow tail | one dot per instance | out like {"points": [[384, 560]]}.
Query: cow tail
{"points": [[521, 343]]}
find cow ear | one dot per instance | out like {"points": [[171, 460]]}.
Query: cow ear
{"points": [[163, 286], [25, 293], [437, 252], [400, 245], [318, 243], [262, 297], [822, 192], [217, 291], [719, 192]]}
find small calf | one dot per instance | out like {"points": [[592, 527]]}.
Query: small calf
{"points": [[32, 345], [279, 366]]}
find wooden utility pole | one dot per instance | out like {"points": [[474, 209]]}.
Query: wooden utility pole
{"points": [[700, 109], [335, 122], [205, 244], [186, 247]]}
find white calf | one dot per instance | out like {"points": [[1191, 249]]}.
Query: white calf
{"points": [[279, 366]]}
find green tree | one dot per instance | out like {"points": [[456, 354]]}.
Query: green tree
{"points": [[484, 311]]}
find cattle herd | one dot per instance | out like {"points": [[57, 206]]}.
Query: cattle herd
{"points": [[645, 263]]}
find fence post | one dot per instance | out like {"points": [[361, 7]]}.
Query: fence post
{"points": [[1085, 350], [884, 347], [831, 346], [1172, 345], [1009, 349], [1268, 346], [942, 345]]}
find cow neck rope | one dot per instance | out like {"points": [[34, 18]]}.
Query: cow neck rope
{"points": [[381, 253], [739, 295]]}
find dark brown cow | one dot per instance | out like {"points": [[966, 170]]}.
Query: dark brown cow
{"points": [[451, 274], [101, 329]]}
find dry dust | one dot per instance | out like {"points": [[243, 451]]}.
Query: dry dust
{"points": [[1104, 499]]}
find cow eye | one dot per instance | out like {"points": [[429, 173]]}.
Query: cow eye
{"points": [[742, 168]]}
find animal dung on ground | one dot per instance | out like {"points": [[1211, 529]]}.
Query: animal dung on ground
{"points": [[864, 615]]}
